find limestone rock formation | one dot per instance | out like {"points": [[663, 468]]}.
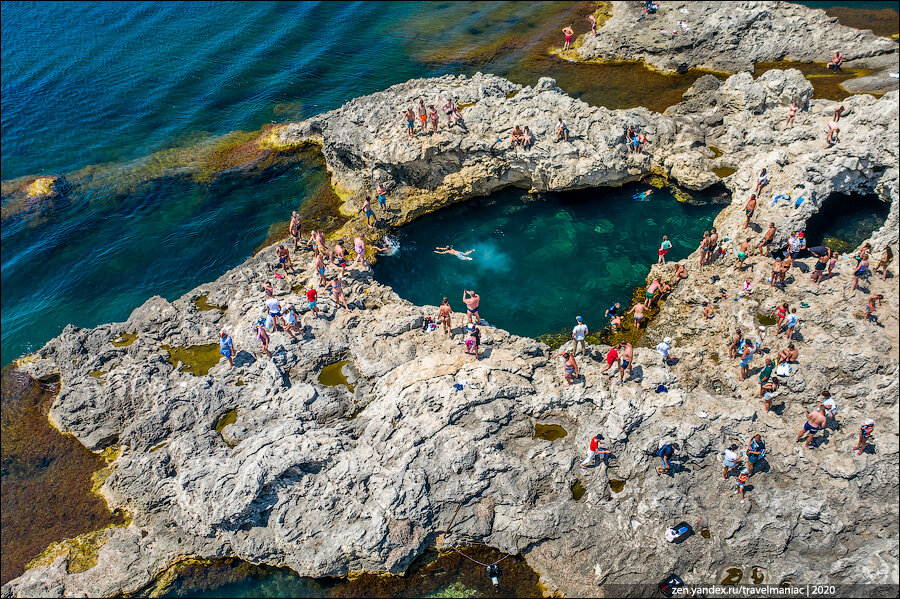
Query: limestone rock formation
{"points": [[329, 481], [726, 37]]}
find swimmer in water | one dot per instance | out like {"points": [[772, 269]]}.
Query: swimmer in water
{"points": [[449, 250]]}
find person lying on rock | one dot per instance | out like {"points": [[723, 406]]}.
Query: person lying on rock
{"points": [[570, 368]]}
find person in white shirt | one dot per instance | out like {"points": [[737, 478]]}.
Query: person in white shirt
{"points": [[578, 334], [830, 406], [730, 460], [663, 348]]}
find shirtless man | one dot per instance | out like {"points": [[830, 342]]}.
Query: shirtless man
{"points": [[319, 265], [777, 277], [341, 256], [570, 368], [626, 353], [651, 291], [593, 21], [713, 246], [381, 194], [749, 208], [517, 138], [295, 229], [823, 255], [787, 355], [743, 252], [680, 273], [449, 250], [471, 300], [444, 313], [410, 117], [767, 241], [423, 116], [284, 259], [838, 111], [366, 210], [814, 421], [615, 322], [337, 290], [569, 32], [638, 310], [831, 133]]}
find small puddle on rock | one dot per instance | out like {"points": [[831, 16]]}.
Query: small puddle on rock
{"points": [[578, 490], [158, 446], [225, 419], [549, 432], [758, 575], [125, 339], [616, 486], [723, 172], [331, 375], [203, 305], [716, 151], [765, 319], [705, 533], [732, 576], [100, 375], [196, 359]]}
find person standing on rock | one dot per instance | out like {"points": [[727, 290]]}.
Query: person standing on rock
{"points": [[319, 265], [578, 335], [713, 252], [289, 316], [861, 271], [666, 453], [226, 348], [337, 291], [568, 32], [410, 117], [472, 340], [312, 297], [444, 314], [746, 357], [664, 247], [767, 241], [885, 261], [822, 255], [570, 368], [423, 116], [594, 449], [273, 311], [381, 194], [742, 479], [814, 421], [340, 254], [865, 433], [593, 21], [638, 310], [262, 337], [730, 460], [777, 276], [743, 252], [769, 392], [472, 300], [791, 324], [295, 229], [838, 111], [562, 130], [704, 248], [359, 246], [284, 259], [451, 111], [626, 353], [664, 347], [366, 210], [433, 116], [792, 114], [756, 450], [749, 208]]}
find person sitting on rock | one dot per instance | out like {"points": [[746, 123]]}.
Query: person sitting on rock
{"points": [[831, 133], [562, 130], [836, 60], [788, 355], [527, 138], [517, 138], [666, 453]]}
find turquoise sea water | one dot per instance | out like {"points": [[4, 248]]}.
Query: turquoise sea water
{"points": [[540, 260]]}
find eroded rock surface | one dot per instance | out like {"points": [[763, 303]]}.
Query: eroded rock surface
{"points": [[729, 36], [296, 481]]}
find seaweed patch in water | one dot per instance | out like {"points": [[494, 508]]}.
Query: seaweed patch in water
{"points": [[616, 486], [46, 477], [195, 359], [549, 432]]}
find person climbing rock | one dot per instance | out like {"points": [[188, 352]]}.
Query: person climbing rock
{"points": [[594, 449], [284, 259], [730, 460], [626, 355]]}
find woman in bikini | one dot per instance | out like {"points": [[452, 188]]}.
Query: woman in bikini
{"points": [[831, 264], [263, 337], [885, 261], [337, 291], [570, 368], [451, 111], [433, 115], [359, 246], [792, 114], [780, 313], [444, 313]]}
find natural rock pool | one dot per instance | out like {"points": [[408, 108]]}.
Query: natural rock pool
{"points": [[542, 259]]}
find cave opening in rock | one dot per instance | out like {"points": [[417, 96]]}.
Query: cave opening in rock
{"points": [[541, 259], [846, 220]]}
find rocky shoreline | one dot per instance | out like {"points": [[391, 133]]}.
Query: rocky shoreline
{"points": [[327, 481]]}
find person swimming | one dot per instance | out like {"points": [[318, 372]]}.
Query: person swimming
{"points": [[449, 250]]}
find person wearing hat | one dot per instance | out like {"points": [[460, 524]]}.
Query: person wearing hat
{"points": [[594, 450], [742, 479], [226, 347], [760, 337], [663, 349], [578, 334], [730, 460], [865, 433]]}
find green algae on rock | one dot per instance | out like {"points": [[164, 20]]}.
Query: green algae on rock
{"points": [[549, 432], [125, 339], [195, 359], [826, 82], [723, 172]]}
